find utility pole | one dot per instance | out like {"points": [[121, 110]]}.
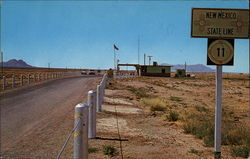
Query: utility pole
{"points": [[117, 64], [149, 59], [185, 69], [144, 59], [2, 62], [49, 65], [138, 49], [115, 48]]}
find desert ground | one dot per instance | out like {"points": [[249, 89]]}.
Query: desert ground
{"points": [[145, 118], [172, 118]]}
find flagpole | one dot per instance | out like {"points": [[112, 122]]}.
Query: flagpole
{"points": [[138, 49], [114, 58]]}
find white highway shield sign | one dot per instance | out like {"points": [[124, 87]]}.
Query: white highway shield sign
{"points": [[220, 52]]}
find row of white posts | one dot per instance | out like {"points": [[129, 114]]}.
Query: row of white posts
{"points": [[85, 120], [36, 77]]}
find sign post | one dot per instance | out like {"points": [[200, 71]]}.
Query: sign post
{"points": [[221, 27], [220, 52], [218, 110]]}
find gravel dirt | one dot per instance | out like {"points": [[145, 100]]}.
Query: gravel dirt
{"points": [[138, 133]]}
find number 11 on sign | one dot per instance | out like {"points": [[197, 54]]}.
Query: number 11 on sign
{"points": [[223, 49]]}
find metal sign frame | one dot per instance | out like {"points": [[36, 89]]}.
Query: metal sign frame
{"points": [[220, 37]]}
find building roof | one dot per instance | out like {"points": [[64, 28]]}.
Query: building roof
{"points": [[120, 64], [158, 65], [144, 65]]}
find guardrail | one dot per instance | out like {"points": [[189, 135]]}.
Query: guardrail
{"points": [[85, 121], [21, 80], [14, 81]]}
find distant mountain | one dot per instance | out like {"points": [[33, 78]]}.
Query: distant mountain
{"points": [[191, 68], [16, 63]]}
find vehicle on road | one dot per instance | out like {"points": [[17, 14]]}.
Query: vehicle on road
{"points": [[88, 72], [84, 73], [92, 72]]}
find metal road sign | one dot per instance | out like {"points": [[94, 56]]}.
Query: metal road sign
{"points": [[220, 52], [220, 23]]}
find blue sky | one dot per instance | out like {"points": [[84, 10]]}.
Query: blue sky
{"points": [[81, 34]]}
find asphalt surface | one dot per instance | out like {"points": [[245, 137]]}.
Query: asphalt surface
{"points": [[38, 109]]}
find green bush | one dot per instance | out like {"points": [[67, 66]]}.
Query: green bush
{"points": [[110, 150], [189, 127], [241, 151], [202, 126], [177, 99], [201, 108], [205, 129], [173, 116], [92, 149], [157, 108], [194, 151], [202, 129], [209, 141], [139, 92], [234, 134]]}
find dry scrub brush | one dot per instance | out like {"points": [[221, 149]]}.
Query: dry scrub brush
{"points": [[201, 124], [154, 104]]}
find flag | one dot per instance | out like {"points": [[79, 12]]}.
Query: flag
{"points": [[115, 47]]}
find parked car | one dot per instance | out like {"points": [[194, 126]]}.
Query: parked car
{"points": [[92, 72], [84, 73]]}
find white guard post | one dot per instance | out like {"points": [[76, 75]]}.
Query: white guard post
{"points": [[4, 82], [92, 114], [81, 132], [21, 78], [103, 85], [13, 81], [98, 99], [28, 78], [218, 110], [34, 77], [101, 93]]}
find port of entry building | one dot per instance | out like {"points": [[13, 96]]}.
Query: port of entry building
{"points": [[152, 70], [158, 71]]}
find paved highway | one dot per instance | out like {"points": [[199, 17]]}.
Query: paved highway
{"points": [[36, 120]]}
